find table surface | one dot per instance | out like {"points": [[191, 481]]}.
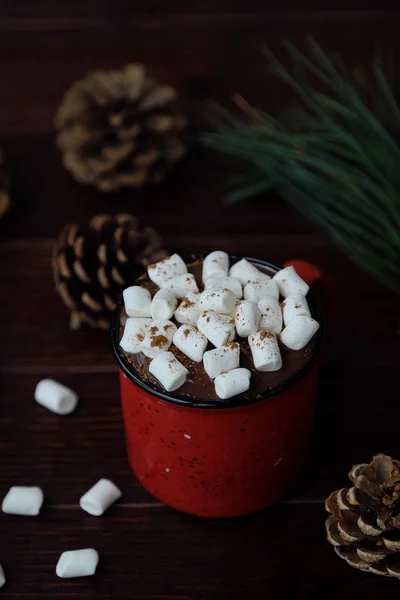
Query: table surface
{"points": [[148, 551]]}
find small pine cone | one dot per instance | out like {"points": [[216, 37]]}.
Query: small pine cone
{"points": [[364, 525], [4, 186], [120, 129], [93, 263]]}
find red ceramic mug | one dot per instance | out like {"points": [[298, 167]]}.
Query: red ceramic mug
{"points": [[219, 459]]}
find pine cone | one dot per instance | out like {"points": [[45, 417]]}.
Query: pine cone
{"points": [[364, 525], [4, 187], [92, 264], [120, 129]]}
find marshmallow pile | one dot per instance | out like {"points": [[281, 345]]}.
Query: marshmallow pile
{"points": [[237, 301]]}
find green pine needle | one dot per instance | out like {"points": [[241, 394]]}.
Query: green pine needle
{"points": [[335, 158]]}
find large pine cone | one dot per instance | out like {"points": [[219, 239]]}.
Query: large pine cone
{"points": [[120, 129], [4, 186], [92, 264], [364, 525]]}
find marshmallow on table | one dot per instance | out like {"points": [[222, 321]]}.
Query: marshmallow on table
{"points": [[228, 283], [247, 318], [21, 500], [298, 332], [158, 338], [167, 369], [215, 264], [134, 334], [77, 563], [167, 268], [220, 301], [163, 304], [222, 359], [215, 329], [232, 383], [100, 497], [2, 577], [180, 285], [137, 301], [255, 291], [191, 342], [55, 396], [271, 315], [187, 311], [246, 272], [295, 305], [289, 282], [265, 351]]}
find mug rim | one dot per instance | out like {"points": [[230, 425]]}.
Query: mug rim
{"points": [[237, 401]]}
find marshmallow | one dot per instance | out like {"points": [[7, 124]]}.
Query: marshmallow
{"points": [[180, 285], [221, 301], [232, 383], [229, 283], [290, 283], [271, 315], [168, 371], [187, 311], [255, 291], [77, 563], [163, 305], [137, 301], [295, 305], [100, 497], [21, 500], [158, 338], [215, 329], [191, 342], [246, 272], [222, 359], [230, 319], [2, 577], [134, 334], [265, 351], [298, 332], [55, 396], [215, 264], [167, 268], [247, 318]]}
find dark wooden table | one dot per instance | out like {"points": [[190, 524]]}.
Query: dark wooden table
{"points": [[148, 551]]}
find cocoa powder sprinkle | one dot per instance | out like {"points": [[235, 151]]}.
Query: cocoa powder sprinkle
{"points": [[158, 341]]}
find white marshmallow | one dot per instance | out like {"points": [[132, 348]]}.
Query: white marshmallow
{"points": [[163, 305], [2, 577], [134, 334], [298, 332], [168, 371], [255, 291], [232, 383], [77, 563], [290, 283], [167, 268], [222, 359], [191, 342], [187, 312], [265, 351], [246, 272], [180, 285], [100, 497], [137, 301], [221, 301], [295, 305], [158, 338], [215, 264], [228, 319], [216, 330], [55, 396], [228, 283], [21, 500], [247, 318], [271, 315]]}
